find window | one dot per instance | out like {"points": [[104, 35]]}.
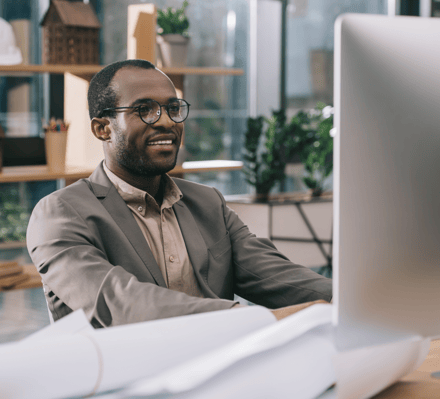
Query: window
{"points": [[310, 41]]}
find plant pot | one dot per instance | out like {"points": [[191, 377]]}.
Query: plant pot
{"points": [[261, 198], [55, 143], [316, 192], [173, 49]]}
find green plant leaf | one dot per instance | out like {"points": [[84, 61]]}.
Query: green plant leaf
{"points": [[271, 142], [173, 21]]}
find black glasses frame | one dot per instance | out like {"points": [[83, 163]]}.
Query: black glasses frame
{"points": [[138, 107]]}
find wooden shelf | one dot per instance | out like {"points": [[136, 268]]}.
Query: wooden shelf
{"points": [[203, 71], [13, 174], [92, 69], [47, 68]]}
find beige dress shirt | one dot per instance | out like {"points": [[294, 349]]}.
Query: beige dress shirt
{"points": [[161, 231]]}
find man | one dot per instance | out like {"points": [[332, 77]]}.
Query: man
{"points": [[131, 244]]}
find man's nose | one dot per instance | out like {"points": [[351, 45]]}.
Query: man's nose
{"points": [[164, 120]]}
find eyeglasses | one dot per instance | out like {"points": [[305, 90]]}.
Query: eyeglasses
{"points": [[150, 110]]}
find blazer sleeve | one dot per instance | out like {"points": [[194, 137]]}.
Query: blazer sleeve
{"points": [[263, 275], [64, 249]]}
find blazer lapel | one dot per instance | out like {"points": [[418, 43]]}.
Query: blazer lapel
{"points": [[195, 244], [119, 211]]}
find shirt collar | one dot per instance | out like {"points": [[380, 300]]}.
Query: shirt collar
{"points": [[134, 196]]}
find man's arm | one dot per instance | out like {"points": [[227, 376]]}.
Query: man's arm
{"points": [[73, 264], [264, 275]]}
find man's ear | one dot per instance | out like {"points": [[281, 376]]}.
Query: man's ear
{"points": [[101, 128]]}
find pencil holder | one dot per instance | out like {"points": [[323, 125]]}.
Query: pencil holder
{"points": [[55, 143]]}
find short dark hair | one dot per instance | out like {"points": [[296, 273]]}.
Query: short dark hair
{"points": [[101, 94]]}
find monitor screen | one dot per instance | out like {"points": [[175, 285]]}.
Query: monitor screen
{"points": [[387, 166]]}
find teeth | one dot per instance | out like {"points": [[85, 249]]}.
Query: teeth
{"points": [[161, 142]]}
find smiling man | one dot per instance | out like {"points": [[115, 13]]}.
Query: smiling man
{"points": [[130, 244]]}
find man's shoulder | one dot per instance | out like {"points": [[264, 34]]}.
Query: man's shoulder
{"points": [[75, 192]]}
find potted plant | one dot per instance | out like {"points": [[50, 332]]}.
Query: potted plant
{"points": [[173, 35], [266, 153], [316, 153], [270, 143], [13, 216]]}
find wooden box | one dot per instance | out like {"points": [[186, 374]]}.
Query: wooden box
{"points": [[70, 33]]}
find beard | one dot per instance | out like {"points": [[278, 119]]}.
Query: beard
{"points": [[137, 161]]}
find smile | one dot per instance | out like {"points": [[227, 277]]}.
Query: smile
{"points": [[161, 142]]}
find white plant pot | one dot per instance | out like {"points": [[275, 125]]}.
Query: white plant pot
{"points": [[174, 50]]}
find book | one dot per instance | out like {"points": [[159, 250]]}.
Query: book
{"points": [[8, 268], [10, 281]]}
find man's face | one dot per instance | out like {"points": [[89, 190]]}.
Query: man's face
{"points": [[138, 148]]}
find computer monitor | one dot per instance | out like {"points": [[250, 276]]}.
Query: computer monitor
{"points": [[386, 178]]}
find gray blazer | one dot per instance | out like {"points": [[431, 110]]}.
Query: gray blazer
{"points": [[91, 254]]}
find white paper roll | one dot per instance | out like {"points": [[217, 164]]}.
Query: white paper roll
{"points": [[74, 365], [63, 366]]}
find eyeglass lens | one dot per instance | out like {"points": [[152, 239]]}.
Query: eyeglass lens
{"points": [[177, 110]]}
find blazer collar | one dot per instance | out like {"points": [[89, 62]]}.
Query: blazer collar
{"points": [[109, 197]]}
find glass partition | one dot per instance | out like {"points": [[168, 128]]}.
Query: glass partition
{"points": [[310, 43]]}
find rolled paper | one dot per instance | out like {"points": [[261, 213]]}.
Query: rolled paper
{"points": [[100, 360]]}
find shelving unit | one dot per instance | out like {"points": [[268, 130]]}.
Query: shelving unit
{"points": [[11, 70], [84, 152], [15, 174]]}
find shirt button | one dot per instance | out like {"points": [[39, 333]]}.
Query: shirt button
{"points": [[140, 209], [171, 258]]}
